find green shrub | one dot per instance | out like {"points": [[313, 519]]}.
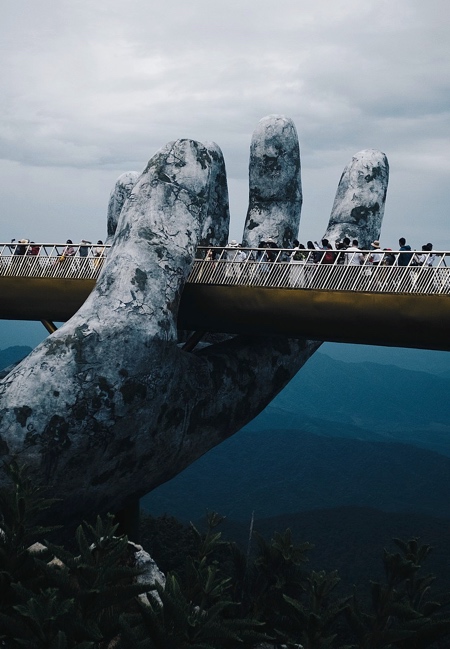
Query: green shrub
{"points": [[218, 597]]}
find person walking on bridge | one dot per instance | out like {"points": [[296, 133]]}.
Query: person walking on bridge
{"points": [[377, 256], [376, 259], [99, 254], [297, 260], [404, 257], [67, 257], [353, 255], [69, 250], [83, 250], [431, 256], [21, 248], [231, 270]]}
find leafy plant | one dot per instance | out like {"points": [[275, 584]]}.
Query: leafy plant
{"points": [[197, 611], [20, 505], [223, 598], [311, 621], [179, 624], [50, 597], [402, 616]]}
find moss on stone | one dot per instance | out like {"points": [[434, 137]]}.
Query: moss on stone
{"points": [[139, 279], [22, 415], [131, 390]]}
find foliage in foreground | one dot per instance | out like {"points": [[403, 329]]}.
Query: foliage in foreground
{"points": [[221, 598]]}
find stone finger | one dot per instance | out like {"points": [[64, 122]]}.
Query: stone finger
{"points": [[217, 222], [158, 231], [119, 194], [275, 189], [358, 207]]}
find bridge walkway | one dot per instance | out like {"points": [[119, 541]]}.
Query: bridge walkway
{"points": [[256, 292]]}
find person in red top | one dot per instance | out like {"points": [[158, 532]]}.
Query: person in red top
{"points": [[33, 249]]}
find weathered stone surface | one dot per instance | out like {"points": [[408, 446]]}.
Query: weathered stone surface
{"points": [[150, 573], [217, 222], [358, 207], [121, 191], [275, 193], [109, 406]]}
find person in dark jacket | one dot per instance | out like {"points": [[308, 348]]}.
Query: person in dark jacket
{"points": [[404, 258]]}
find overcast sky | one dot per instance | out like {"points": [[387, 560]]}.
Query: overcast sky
{"points": [[92, 89]]}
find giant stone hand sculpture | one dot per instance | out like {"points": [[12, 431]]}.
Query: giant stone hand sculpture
{"points": [[110, 406]]}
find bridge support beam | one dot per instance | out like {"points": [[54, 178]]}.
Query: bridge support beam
{"points": [[193, 341], [50, 326]]}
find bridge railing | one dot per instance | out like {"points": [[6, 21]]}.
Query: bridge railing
{"points": [[353, 270], [53, 260]]}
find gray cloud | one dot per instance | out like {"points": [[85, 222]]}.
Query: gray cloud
{"points": [[90, 90]]}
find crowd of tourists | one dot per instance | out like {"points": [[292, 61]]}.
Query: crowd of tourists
{"points": [[83, 249], [346, 252]]}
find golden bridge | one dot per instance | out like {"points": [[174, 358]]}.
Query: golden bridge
{"points": [[398, 300]]}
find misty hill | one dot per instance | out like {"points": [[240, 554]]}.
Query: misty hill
{"points": [[366, 401], [287, 471], [417, 360], [12, 355]]}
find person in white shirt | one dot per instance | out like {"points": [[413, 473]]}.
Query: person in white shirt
{"points": [[353, 255], [235, 256], [419, 258], [377, 256], [424, 258], [241, 255]]}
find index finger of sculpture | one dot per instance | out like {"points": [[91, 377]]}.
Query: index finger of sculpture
{"points": [[119, 194], [216, 224], [160, 225]]}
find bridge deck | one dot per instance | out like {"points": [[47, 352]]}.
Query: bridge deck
{"points": [[380, 305]]}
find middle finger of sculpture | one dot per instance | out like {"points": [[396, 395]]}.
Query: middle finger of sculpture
{"points": [[110, 405]]}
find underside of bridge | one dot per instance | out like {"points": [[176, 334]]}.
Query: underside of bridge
{"points": [[398, 320]]}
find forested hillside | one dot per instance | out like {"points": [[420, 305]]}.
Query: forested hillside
{"points": [[274, 472]]}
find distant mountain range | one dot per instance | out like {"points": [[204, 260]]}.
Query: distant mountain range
{"points": [[339, 434], [418, 360], [364, 401], [275, 472], [11, 355]]}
